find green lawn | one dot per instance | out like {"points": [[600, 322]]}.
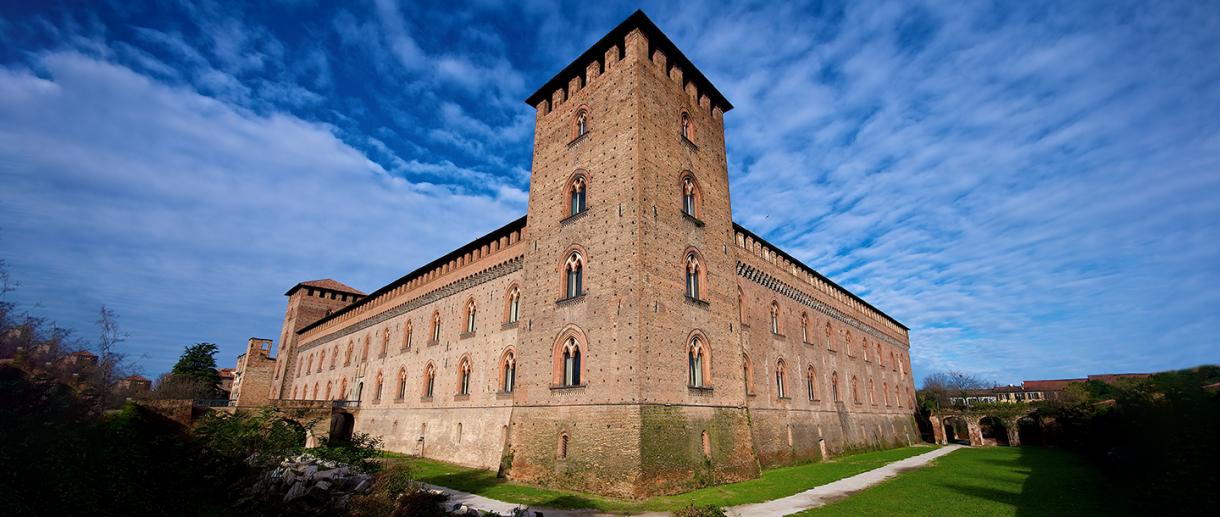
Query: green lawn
{"points": [[774, 483], [995, 481]]}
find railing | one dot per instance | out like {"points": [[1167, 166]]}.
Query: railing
{"points": [[215, 403], [348, 404]]}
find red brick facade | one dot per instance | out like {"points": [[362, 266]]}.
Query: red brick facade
{"points": [[630, 273]]}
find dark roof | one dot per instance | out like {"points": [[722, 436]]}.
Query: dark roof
{"points": [[656, 39], [792, 259], [325, 284], [503, 231]]}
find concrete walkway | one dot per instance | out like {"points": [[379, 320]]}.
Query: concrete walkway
{"points": [[813, 498]]}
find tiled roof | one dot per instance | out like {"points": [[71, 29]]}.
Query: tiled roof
{"points": [[325, 283], [136, 378], [1050, 385]]}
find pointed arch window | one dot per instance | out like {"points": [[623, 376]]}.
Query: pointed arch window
{"points": [[576, 196], [693, 272], [582, 123], [377, 387], [686, 129], [343, 389], [697, 362], [471, 309], [385, 341], [847, 341], [364, 353], [429, 380], [747, 374], [514, 304], [872, 393], [855, 390], [804, 327], [509, 372], [885, 390], [334, 357], [315, 391], [402, 384], [880, 356], [436, 327], [464, 377], [347, 356], [571, 363], [781, 374], [774, 317], [328, 386], [864, 346], [834, 385], [811, 384], [574, 273], [830, 344], [406, 335]]}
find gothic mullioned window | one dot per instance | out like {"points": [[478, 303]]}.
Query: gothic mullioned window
{"points": [[885, 390], [834, 385], [830, 344], [464, 377], [334, 357], [471, 309], [514, 304], [328, 386], [347, 356], [693, 272], [864, 346], [872, 393], [804, 327], [402, 384], [697, 359], [364, 354], [508, 372], [781, 376], [406, 335], [436, 327], [855, 390], [686, 127], [571, 363], [377, 387], [811, 384], [574, 272], [747, 373], [429, 380], [576, 196], [385, 341], [774, 317], [582, 122]]}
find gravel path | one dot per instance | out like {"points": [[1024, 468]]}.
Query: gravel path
{"points": [[813, 498]]}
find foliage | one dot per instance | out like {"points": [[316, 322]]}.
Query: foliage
{"points": [[357, 452], [198, 363], [395, 494], [168, 386], [709, 510], [939, 388], [260, 437]]}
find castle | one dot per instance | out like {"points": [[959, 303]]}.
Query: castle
{"points": [[625, 337]]}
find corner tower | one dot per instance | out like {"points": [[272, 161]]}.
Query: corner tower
{"points": [[308, 302], [633, 301]]}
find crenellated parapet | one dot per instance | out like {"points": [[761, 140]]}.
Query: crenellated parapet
{"points": [[489, 249], [754, 245], [637, 35]]}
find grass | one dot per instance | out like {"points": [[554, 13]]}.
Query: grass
{"points": [[773, 484], [995, 481]]}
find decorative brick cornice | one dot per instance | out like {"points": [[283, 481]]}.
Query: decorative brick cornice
{"points": [[751, 273]]}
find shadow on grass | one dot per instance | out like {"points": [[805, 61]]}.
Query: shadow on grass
{"points": [[1056, 482]]}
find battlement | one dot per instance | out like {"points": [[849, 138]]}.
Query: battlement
{"points": [[611, 50], [475, 251], [755, 245]]}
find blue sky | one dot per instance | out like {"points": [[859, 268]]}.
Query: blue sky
{"points": [[1032, 187]]}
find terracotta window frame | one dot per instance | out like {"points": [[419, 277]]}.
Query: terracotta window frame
{"points": [[699, 363], [465, 373], [570, 355], [691, 200], [576, 194], [508, 370], [695, 274], [781, 379]]}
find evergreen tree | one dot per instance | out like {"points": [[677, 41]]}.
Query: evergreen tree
{"points": [[197, 363]]}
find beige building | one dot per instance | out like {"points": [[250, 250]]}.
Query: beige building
{"points": [[626, 337]]}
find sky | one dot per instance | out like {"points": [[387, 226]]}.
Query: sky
{"points": [[1032, 187]]}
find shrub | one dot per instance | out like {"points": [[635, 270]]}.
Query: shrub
{"points": [[710, 510]]}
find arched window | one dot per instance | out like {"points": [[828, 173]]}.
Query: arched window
{"points": [[471, 309], [576, 196], [693, 272], [880, 356], [834, 385], [347, 356], [781, 374], [830, 344], [464, 377], [377, 387], [855, 390], [562, 452], [406, 335], [436, 326], [385, 341], [697, 359], [885, 389], [429, 380], [328, 385], [321, 359], [571, 363], [847, 341], [872, 393], [686, 129], [692, 195], [804, 327], [574, 272], [747, 373], [343, 389], [509, 372], [582, 122], [774, 317], [315, 391], [811, 383], [334, 357], [514, 304], [402, 384], [294, 392], [364, 353]]}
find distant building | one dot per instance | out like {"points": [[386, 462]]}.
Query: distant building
{"points": [[1030, 391], [226, 380]]}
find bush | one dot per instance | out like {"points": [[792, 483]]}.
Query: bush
{"points": [[357, 452], [396, 495], [261, 438]]}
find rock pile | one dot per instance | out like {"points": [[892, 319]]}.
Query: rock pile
{"points": [[312, 483]]}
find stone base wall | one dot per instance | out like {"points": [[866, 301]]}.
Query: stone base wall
{"points": [[473, 437]]}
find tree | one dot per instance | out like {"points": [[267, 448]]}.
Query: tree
{"points": [[197, 363], [940, 388]]}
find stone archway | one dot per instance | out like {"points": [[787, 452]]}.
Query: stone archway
{"points": [[993, 431], [982, 427]]}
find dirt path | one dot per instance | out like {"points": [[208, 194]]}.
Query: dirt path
{"points": [[813, 498]]}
